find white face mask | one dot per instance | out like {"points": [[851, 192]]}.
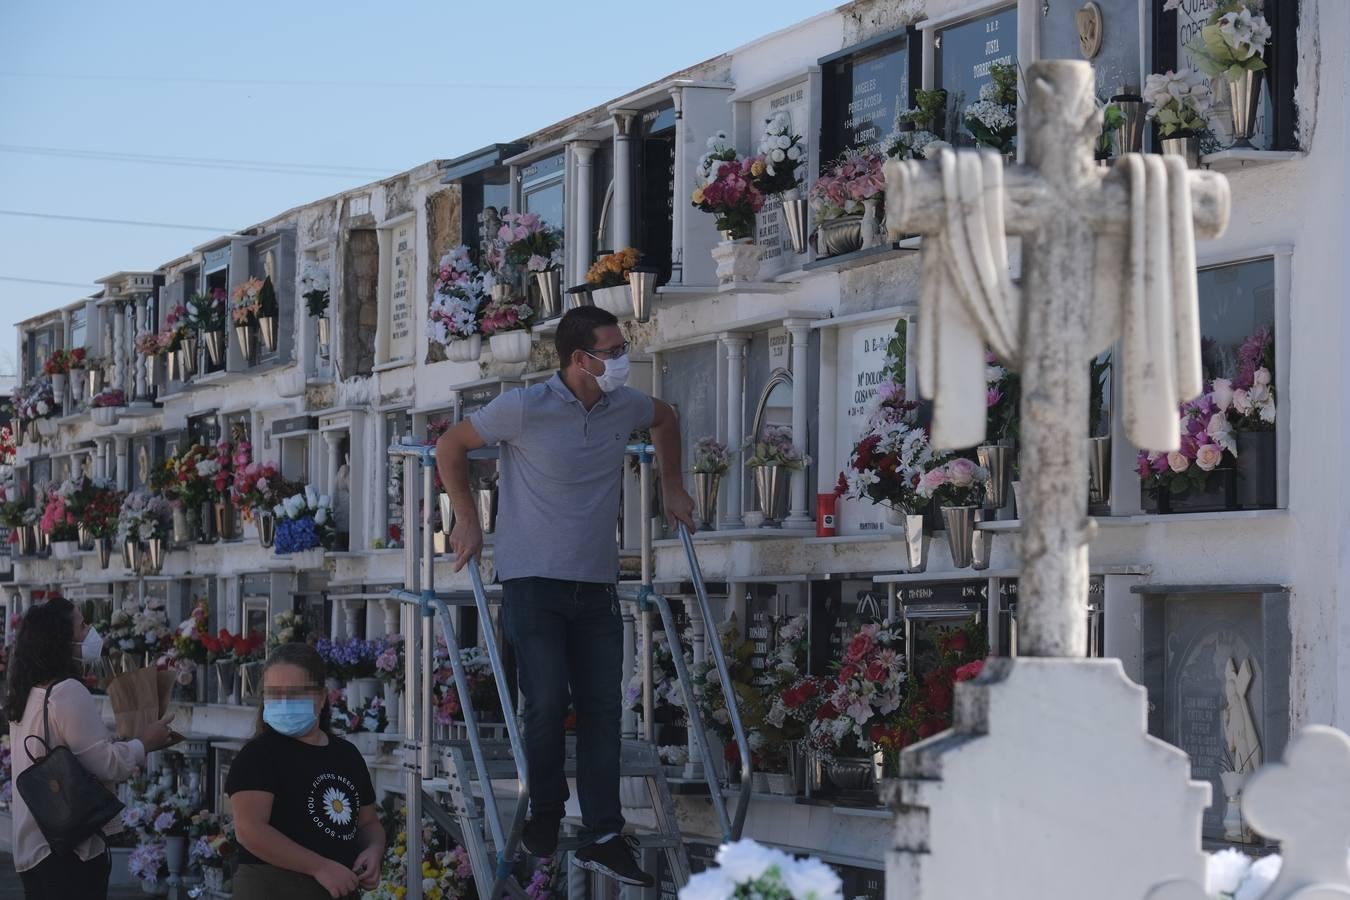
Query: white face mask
{"points": [[615, 375], [91, 648]]}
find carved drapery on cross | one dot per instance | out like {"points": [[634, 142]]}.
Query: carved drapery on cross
{"points": [[1105, 253]]}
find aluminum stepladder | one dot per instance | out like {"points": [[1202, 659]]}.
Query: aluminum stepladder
{"points": [[474, 763]]}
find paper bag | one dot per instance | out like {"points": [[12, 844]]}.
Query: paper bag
{"points": [[139, 698]]}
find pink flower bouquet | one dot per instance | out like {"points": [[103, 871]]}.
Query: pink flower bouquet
{"points": [[841, 190]]}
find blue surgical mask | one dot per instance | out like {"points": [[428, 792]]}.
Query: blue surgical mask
{"points": [[292, 717]]}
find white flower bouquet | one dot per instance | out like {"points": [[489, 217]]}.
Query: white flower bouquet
{"points": [[747, 870]]}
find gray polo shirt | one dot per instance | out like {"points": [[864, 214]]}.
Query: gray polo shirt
{"points": [[560, 470]]}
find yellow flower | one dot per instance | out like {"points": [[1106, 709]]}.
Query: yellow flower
{"points": [[698, 195], [757, 168], [400, 891]]}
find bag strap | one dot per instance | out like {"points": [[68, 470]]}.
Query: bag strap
{"points": [[46, 739]]}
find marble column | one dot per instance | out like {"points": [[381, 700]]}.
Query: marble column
{"points": [[120, 348], [333, 443], [101, 456], [390, 616], [123, 472], [621, 205], [699, 648], [735, 346], [799, 513], [351, 611], [680, 189], [583, 234], [138, 323]]}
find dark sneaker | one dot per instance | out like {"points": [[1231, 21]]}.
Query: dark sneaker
{"points": [[617, 858], [540, 837]]}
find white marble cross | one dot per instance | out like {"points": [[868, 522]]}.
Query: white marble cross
{"points": [[1105, 253]]}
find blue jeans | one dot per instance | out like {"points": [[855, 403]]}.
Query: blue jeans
{"points": [[568, 643]]}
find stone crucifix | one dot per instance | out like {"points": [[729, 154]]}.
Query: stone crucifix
{"points": [[1106, 254]]}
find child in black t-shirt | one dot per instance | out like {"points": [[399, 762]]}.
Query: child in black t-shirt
{"points": [[304, 807]]}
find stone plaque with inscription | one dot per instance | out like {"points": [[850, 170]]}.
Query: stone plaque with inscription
{"points": [[401, 271], [1189, 641], [862, 360], [965, 53], [771, 234]]}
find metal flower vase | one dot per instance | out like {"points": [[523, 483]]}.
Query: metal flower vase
{"points": [[215, 347], [998, 460], [706, 486], [1245, 94], [187, 357], [131, 554], [182, 531], [266, 525], [771, 485], [839, 236], [227, 681], [27, 539], [224, 518], [267, 331], [86, 538], [154, 555], [850, 773], [960, 522], [324, 325], [103, 545], [915, 539], [250, 680], [94, 377], [794, 215], [447, 509], [642, 287], [247, 339], [1099, 470], [549, 285], [486, 499], [172, 367], [1187, 146]]}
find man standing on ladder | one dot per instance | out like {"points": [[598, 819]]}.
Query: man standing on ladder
{"points": [[562, 453]]}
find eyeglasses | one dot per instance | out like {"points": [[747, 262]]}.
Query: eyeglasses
{"points": [[608, 352]]}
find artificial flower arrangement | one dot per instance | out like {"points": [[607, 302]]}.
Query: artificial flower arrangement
{"points": [[1245, 402], [108, 397], [992, 119], [781, 152], [63, 362], [727, 187], [507, 314], [711, 456], [15, 513], [747, 870], [190, 645], [133, 629], [157, 813], [143, 516], [1003, 400], [667, 695], [846, 184], [456, 307], [445, 700], [102, 508], [304, 522], [370, 716], [206, 310], [189, 479], [8, 449], [888, 465], [35, 400], [447, 873], [957, 482], [1232, 39], [175, 328], [255, 485], [61, 512], [215, 846], [774, 447], [150, 344], [920, 140], [351, 657], [389, 663], [612, 269], [239, 648], [315, 282], [1179, 102], [288, 627], [867, 688], [527, 240], [246, 302]]}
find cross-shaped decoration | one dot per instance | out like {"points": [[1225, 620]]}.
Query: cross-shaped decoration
{"points": [[1106, 254], [1303, 802]]}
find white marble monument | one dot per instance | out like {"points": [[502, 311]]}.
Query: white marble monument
{"points": [[1048, 785]]}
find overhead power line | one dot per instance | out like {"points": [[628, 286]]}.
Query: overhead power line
{"points": [[38, 215], [236, 165], [89, 287], [431, 85]]}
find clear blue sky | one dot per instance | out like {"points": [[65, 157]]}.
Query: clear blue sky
{"points": [[370, 89]]}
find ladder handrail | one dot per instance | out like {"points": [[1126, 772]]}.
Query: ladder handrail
{"points": [[713, 639], [731, 828]]}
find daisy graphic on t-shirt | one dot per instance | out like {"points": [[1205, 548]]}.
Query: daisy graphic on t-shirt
{"points": [[336, 806]]}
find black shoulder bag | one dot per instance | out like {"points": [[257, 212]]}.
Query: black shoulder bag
{"points": [[67, 802]]}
